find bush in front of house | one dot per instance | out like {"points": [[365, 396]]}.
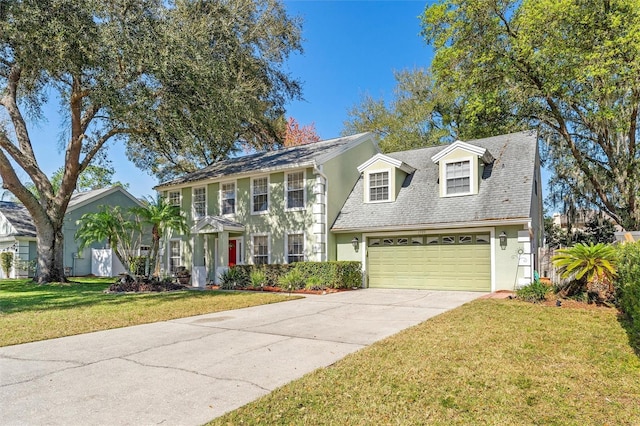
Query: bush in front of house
{"points": [[323, 275], [628, 283], [137, 265], [535, 292], [292, 280], [234, 278], [6, 261]]}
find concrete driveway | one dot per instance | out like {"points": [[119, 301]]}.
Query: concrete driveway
{"points": [[191, 370]]}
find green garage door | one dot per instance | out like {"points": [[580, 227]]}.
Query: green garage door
{"points": [[436, 262]]}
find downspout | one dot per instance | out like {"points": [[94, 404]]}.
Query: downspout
{"points": [[317, 169]]}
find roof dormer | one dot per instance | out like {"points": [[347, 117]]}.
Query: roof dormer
{"points": [[383, 177], [460, 168]]}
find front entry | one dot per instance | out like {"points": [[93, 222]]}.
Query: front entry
{"points": [[232, 253]]}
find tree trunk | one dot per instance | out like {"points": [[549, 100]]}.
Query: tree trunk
{"points": [[50, 252]]}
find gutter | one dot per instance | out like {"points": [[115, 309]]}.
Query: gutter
{"points": [[441, 225]]}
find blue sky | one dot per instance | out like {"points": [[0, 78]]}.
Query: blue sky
{"points": [[351, 48]]}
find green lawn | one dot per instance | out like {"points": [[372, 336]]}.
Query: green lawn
{"points": [[497, 362], [30, 312]]}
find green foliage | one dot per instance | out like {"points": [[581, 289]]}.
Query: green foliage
{"points": [[162, 217], [588, 261], [314, 283], [592, 266], [111, 225], [342, 274], [628, 284], [6, 262], [534, 292], [180, 83], [258, 278], [234, 278], [568, 68], [272, 272], [292, 280], [137, 265], [424, 113]]}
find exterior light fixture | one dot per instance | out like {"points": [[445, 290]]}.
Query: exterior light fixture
{"points": [[355, 243], [503, 240]]}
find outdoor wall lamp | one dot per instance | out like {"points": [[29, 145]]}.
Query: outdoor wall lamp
{"points": [[503, 240], [355, 243]]}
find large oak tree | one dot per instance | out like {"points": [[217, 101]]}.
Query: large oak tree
{"points": [[569, 67], [180, 82]]}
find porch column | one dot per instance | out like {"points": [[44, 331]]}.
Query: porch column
{"points": [[198, 272], [222, 262]]}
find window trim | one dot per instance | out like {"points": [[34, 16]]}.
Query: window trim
{"points": [[253, 246], [368, 186], [177, 191], [193, 202], [286, 191], [169, 256], [235, 197], [286, 246], [472, 178], [253, 179]]}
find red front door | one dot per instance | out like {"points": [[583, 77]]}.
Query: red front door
{"points": [[232, 253]]}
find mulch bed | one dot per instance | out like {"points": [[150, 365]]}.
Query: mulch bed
{"points": [[128, 284]]}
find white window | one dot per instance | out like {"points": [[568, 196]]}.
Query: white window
{"points": [[433, 240], [458, 176], [260, 195], [295, 190], [483, 239], [295, 248], [174, 198], [260, 249], [174, 256], [448, 239], [199, 202], [228, 198], [379, 186], [374, 242], [416, 241]]}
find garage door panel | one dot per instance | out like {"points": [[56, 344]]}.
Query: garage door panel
{"points": [[437, 266]]}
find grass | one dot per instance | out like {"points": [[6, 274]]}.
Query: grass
{"points": [[30, 312], [496, 362]]}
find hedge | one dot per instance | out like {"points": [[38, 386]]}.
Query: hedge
{"points": [[628, 284], [338, 274]]}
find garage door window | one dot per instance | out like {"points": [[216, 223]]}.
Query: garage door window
{"points": [[482, 239], [374, 242], [433, 240], [416, 241], [465, 239], [448, 239]]}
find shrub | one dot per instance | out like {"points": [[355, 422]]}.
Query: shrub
{"points": [[6, 261], [593, 266], [234, 278], [534, 292], [628, 284], [292, 280], [314, 283], [258, 278], [343, 274], [137, 265]]}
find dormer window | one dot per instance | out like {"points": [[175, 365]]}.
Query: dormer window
{"points": [[379, 186], [458, 175]]}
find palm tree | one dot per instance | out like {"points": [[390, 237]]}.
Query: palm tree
{"points": [[592, 265], [109, 224], [162, 217]]}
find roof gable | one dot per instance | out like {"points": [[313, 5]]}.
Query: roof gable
{"points": [[481, 152], [19, 218], [399, 164], [83, 198]]}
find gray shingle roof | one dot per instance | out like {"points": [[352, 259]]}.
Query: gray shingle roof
{"points": [[505, 190], [19, 217], [270, 160]]}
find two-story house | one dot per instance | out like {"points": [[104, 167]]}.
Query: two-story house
{"points": [[464, 216], [269, 207]]}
